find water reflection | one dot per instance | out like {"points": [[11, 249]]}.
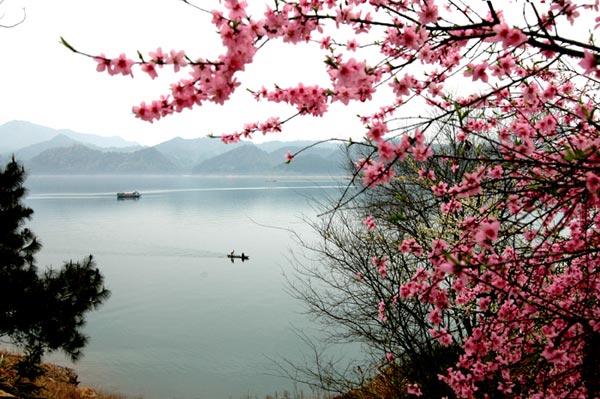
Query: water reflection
{"points": [[184, 320]]}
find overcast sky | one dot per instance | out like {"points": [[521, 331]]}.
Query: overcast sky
{"points": [[44, 83]]}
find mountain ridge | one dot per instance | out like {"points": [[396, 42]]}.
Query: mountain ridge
{"points": [[15, 135], [63, 154], [80, 159]]}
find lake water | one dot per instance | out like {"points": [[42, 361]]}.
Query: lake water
{"points": [[183, 321]]}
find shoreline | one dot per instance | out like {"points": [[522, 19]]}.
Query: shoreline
{"points": [[58, 382]]}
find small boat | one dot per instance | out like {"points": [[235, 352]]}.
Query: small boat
{"points": [[133, 195], [242, 257]]}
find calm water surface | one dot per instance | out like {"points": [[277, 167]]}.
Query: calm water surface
{"points": [[183, 321]]}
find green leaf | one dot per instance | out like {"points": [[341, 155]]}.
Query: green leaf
{"points": [[575, 155], [67, 45], [331, 62], [397, 217]]}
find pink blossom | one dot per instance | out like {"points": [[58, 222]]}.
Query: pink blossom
{"points": [[271, 125], [441, 336], [377, 131], [177, 58], [435, 316], [377, 173], [103, 63], [150, 70], [484, 302], [589, 62], [592, 182], [121, 65], [487, 232], [143, 112], [411, 246], [369, 222], [414, 389], [556, 356], [531, 92], [510, 37], [381, 312], [477, 72], [441, 189], [429, 13], [352, 45], [452, 206], [530, 235], [326, 43], [496, 172], [387, 151], [237, 9], [230, 138], [567, 8], [403, 86], [447, 267], [380, 263], [413, 38], [158, 57]]}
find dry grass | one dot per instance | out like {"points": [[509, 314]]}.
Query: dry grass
{"points": [[57, 383], [389, 384]]}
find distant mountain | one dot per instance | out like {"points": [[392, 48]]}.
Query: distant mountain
{"points": [[189, 152], [50, 151], [280, 149], [271, 146], [80, 159], [31, 151], [61, 140], [250, 159], [247, 159], [128, 149], [16, 135], [314, 161]]}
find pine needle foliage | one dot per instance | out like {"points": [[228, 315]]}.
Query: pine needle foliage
{"points": [[40, 311]]}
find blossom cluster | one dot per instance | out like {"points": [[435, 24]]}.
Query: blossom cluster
{"points": [[522, 262]]}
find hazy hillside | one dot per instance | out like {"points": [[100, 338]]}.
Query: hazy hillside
{"points": [[49, 151], [128, 149], [271, 146], [16, 135], [186, 153], [312, 164], [31, 151], [79, 159], [189, 153], [246, 159], [250, 159]]}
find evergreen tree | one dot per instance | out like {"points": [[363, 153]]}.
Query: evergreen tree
{"points": [[39, 312]]}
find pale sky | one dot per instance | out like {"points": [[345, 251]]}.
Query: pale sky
{"points": [[44, 83]]}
